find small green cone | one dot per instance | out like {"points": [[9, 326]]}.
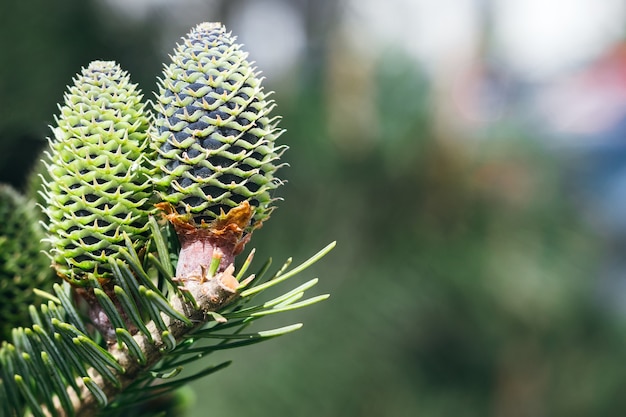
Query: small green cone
{"points": [[215, 143], [99, 178], [23, 266]]}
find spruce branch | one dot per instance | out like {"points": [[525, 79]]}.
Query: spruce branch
{"points": [[210, 296], [143, 298], [89, 376]]}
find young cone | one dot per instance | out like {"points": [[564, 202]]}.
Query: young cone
{"points": [[216, 152], [99, 187], [23, 266]]}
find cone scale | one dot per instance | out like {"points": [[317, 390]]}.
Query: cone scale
{"points": [[216, 153]]}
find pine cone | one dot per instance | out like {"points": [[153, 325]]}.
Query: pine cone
{"points": [[99, 186], [215, 142], [23, 266]]}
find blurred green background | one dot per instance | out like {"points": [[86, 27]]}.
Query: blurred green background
{"points": [[477, 271]]}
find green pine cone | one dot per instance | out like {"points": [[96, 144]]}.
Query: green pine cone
{"points": [[23, 266], [213, 132], [99, 186]]}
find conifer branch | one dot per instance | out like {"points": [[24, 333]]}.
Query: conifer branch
{"points": [[209, 296], [139, 295]]}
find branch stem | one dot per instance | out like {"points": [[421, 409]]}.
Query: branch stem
{"points": [[210, 295]]}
